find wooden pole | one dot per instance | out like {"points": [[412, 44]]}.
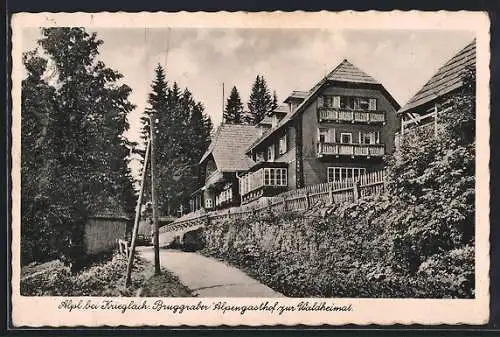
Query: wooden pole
{"points": [[156, 237], [137, 216]]}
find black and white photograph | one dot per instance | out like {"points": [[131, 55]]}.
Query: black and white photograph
{"points": [[266, 163]]}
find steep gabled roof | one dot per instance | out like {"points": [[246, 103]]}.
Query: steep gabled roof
{"points": [[344, 72], [347, 72], [228, 147], [446, 79]]}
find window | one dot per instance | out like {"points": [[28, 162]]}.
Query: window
{"points": [[282, 145], [346, 102], [329, 101], [270, 153], [342, 173], [361, 103], [326, 135], [208, 203], [275, 177], [354, 103], [369, 137], [346, 138]]}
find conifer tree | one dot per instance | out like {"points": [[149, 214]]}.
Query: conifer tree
{"points": [[233, 113], [260, 102], [182, 136]]}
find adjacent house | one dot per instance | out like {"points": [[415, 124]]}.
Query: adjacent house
{"points": [[421, 110], [222, 164], [339, 129]]}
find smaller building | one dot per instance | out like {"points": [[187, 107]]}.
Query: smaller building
{"points": [[422, 109], [222, 164]]}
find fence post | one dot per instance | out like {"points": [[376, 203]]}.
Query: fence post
{"points": [[284, 204], [308, 202], [330, 193], [356, 190]]}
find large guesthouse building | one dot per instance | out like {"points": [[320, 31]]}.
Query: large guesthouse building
{"points": [[341, 128]]}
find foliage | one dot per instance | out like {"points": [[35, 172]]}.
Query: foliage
{"points": [[233, 113], [104, 278], [260, 102], [182, 134], [431, 181], [415, 241], [74, 159]]}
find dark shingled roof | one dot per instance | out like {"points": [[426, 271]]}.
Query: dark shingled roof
{"points": [[446, 79], [296, 94], [228, 147], [344, 72]]}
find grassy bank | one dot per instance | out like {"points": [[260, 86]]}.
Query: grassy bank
{"points": [[103, 278]]}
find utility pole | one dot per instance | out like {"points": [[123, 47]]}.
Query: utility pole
{"points": [[156, 237], [137, 215]]}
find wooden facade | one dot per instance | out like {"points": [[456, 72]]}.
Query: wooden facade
{"points": [[102, 233], [342, 128]]}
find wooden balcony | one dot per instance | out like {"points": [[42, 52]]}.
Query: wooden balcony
{"points": [[353, 150], [269, 179], [350, 116]]}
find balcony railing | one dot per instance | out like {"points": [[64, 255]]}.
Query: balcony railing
{"points": [[361, 150], [345, 115]]}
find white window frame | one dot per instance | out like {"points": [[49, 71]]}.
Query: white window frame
{"points": [[374, 137], [372, 104], [283, 145], [208, 203], [274, 176], [343, 172], [342, 134]]}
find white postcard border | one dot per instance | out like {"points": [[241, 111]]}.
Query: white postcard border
{"points": [[43, 311]]}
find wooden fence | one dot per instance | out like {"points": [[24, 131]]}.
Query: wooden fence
{"points": [[347, 190]]}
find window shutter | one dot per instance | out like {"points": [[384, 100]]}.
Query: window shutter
{"points": [[336, 101], [331, 136], [373, 104], [377, 137], [321, 102]]}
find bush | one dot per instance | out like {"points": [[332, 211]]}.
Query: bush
{"points": [[104, 278]]}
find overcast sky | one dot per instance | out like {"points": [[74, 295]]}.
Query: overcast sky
{"points": [[289, 59]]}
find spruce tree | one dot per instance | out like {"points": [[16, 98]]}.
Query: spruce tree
{"points": [[233, 113], [260, 102], [182, 135]]}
